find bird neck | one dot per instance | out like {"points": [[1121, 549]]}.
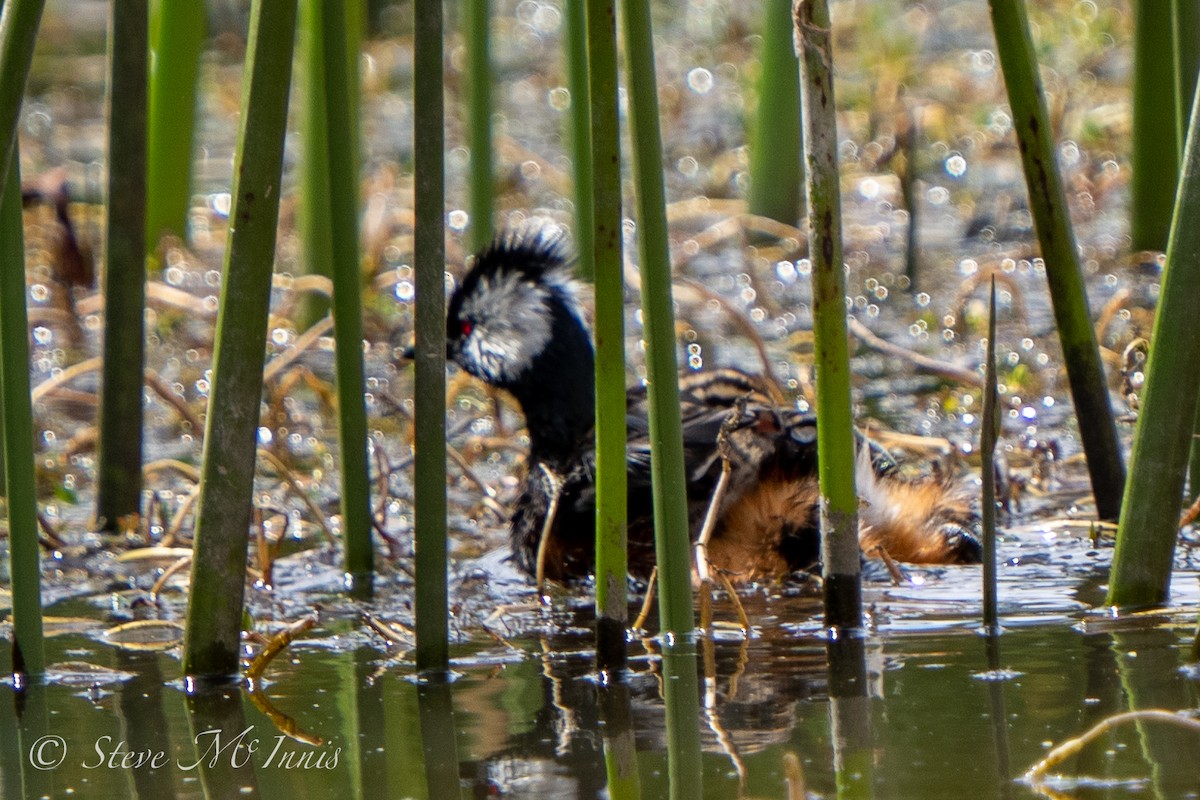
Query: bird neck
{"points": [[558, 397]]}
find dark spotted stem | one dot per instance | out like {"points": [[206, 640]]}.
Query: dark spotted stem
{"points": [[604, 224], [988, 435], [1085, 371], [429, 439], [840, 553], [119, 449], [1141, 571], [214, 617]]}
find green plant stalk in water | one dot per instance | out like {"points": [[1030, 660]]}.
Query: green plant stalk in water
{"points": [[988, 434], [429, 437], [840, 554], [16, 412], [776, 170], [603, 165], [671, 539], [1154, 159], [578, 77], [1141, 570], [214, 616], [347, 303], [178, 31], [18, 29], [313, 211], [119, 449], [479, 121], [1085, 371]]}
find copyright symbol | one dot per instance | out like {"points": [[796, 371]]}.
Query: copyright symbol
{"points": [[47, 752]]}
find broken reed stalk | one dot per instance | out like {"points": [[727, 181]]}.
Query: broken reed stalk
{"points": [[580, 133], [1085, 370], [214, 616], [1154, 160], [840, 554], [603, 168], [429, 365], [313, 211], [119, 449], [18, 28], [347, 300], [1149, 526], [16, 415], [479, 122], [988, 434], [177, 35], [671, 539], [776, 171]]}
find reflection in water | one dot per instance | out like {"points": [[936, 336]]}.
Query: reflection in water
{"points": [[438, 734], [222, 740], [143, 723]]}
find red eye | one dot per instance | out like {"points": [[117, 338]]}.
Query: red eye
{"points": [[465, 328]]}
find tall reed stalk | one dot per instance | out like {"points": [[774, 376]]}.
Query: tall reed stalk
{"points": [[1185, 36], [1154, 160], [1141, 570], [603, 164], [479, 121], [214, 615], [671, 539], [347, 300], [429, 441], [578, 76], [1085, 371], [18, 28], [662, 382], [119, 462], [177, 35], [16, 413], [314, 211], [840, 554], [776, 171], [988, 434]]}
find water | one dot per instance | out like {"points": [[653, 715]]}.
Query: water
{"points": [[527, 716]]}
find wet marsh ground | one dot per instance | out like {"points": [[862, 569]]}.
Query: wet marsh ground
{"points": [[948, 720]]}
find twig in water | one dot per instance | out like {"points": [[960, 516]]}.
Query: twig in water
{"points": [[555, 489], [274, 647], [159, 584], [647, 601], [1062, 752], [922, 362]]}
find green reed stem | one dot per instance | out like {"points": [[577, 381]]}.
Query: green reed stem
{"points": [[178, 31], [1155, 157], [840, 554], [16, 413], [602, 163], [429, 442], [1085, 371], [479, 121], [214, 615], [1185, 44], [18, 29], [666, 434], [1185, 36], [347, 299], [119, 462], [576, 14], [1141, 570], [989, 433], [314, 211], [776, 171]]}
